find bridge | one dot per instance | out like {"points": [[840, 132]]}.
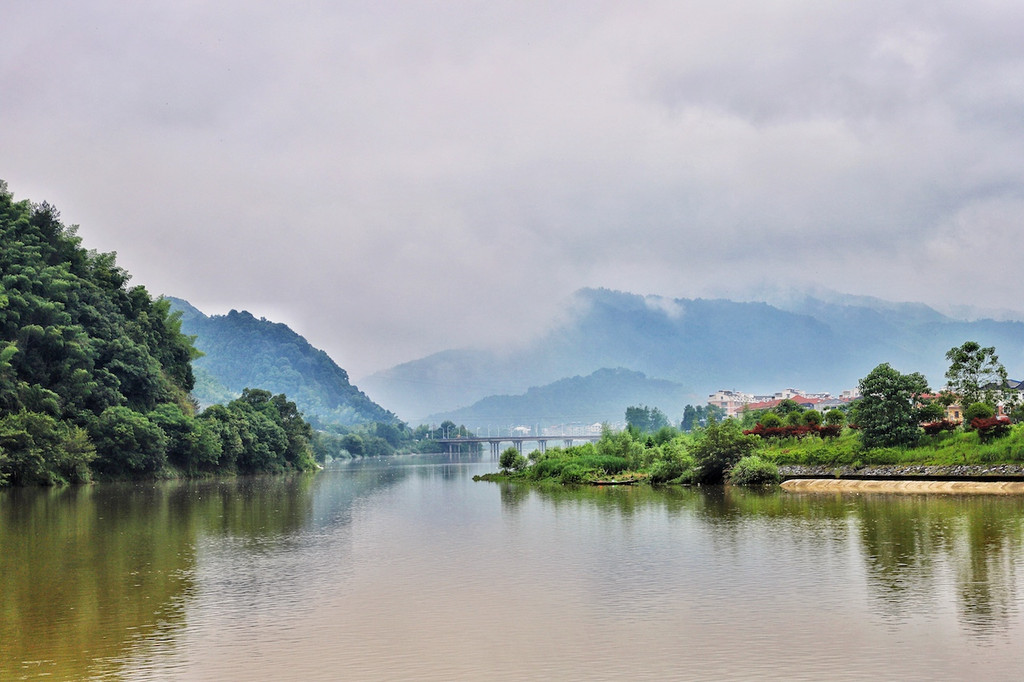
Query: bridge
{"points": [[516, 441]]}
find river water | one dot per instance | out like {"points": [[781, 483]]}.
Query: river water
{"points": [[404, 568]]}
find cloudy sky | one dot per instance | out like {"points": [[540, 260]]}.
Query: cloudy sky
{"points": [[396, 178]]}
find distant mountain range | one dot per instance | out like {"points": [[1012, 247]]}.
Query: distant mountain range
{"points": [[599, 397], [241, 351], [696, 345]]}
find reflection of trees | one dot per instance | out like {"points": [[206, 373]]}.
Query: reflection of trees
{"points": [[909, 541], [88, 572], [986, 576], [84, 572], [912, 546]]}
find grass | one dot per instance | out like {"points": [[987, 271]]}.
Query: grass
{"points": [[944, 449]]}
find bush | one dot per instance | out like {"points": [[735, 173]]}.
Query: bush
{"points": [[936, 427], [991, 428], [722, 445], [812, 418], [511, 460], [572, 473], [977, 411], [753, 470], [673, 470], [835, 417]]}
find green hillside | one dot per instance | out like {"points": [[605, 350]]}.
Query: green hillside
{"points": [[240, 350], [95, 375]]}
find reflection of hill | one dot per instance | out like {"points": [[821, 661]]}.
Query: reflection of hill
{"points": [[89, 573], [84, 573]]}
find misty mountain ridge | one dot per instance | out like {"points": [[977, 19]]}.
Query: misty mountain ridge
{"points": [[701, 345], [241, 351], [599, 397]]}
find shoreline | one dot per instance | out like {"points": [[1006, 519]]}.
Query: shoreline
{"points": [[903, 486], [911, 472]]}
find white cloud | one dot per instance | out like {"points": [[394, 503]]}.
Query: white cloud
{"points": [[404, 177]]}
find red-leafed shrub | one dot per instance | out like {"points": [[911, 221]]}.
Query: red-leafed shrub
{"points": [[787, 431], [830, 430], [990, 428], [932, 428]]}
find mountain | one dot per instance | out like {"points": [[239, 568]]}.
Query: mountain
{"points": [[703, 345], [241, 351], [95, 375], [599, 397]]}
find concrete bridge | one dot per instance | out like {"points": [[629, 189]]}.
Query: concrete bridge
{"points": [[516, 441]]}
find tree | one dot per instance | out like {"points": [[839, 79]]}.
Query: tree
{"points": [[719, 449], [700, 416], [511, 460], [127, 443], [976, 375], [835, 417], [645, 419], [888, 413]]}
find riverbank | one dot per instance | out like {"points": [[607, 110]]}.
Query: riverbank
{"points": [[1004, 479], [906, 472], [904, 486]]}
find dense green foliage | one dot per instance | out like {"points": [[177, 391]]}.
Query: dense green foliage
{"points": [[754, 470], [646, 419], [95, 375], [240, 350], [975, 374], [720, 447], [699, 415], [888, 413]]}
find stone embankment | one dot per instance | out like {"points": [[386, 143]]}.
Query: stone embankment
{"points": [[1001, 479]]}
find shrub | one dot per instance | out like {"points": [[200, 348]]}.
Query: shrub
{"points": [[511, 460], [609, 464], [835, 417], [977, 411], [572, 473], [830, 430], [675, 467], [991, 428], [753, 470], [936, 427], [722, 445]]}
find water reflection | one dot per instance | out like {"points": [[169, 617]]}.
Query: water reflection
{"points": [[909, 545], [87, 573], [409, 558]]}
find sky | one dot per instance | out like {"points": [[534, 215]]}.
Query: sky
{"points": [[392, 179]]}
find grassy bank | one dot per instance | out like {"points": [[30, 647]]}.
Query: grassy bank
{"points": [[722, 453]]}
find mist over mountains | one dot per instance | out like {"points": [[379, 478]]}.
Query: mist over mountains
{"points": [[615, 349], [698, 345]]}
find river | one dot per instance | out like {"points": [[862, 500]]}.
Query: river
{"points": [[405, 568]]}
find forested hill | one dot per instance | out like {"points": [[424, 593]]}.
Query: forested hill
{"points": [[599, 397], [240, 350], [95, 375]]}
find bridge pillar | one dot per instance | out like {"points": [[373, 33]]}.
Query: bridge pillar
{"points": [[568, 442], [543, 445]]}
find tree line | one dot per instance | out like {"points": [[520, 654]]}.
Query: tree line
{"points": [[95, 375], [897, 420]]}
